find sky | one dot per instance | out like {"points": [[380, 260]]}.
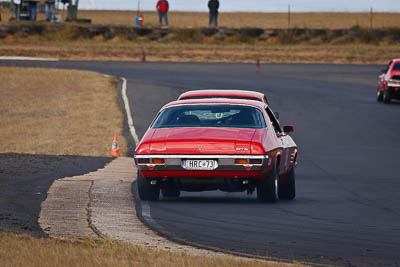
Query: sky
{"points": [[251, 5]]}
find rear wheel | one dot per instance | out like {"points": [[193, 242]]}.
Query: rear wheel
{"points": [[386, 97], [147, 191], [267, 190], [379, 96], [287, 190]]}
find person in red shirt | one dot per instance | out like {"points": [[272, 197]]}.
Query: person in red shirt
{"points": [[162, 8]]}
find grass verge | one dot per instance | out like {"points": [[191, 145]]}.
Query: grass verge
{"points": [[19, 250], [181, 52], [58, 112]]}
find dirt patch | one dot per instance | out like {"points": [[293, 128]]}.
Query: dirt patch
{"points": [[64, 214]]}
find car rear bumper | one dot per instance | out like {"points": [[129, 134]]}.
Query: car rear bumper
{"points": [[202, 174], [227, 167]]}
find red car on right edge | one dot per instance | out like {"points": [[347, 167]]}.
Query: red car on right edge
{"points": [[389, 82]]}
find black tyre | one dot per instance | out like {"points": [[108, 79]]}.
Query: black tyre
{"points": [[287, 190], [379, 96], [147, 191], [170, 192], [386, 97], [267, 190]]}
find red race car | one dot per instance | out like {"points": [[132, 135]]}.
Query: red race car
{"points": [[389, 82], [232, 145]]}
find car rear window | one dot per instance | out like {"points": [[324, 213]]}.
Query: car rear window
{"points": [[230, 116]]}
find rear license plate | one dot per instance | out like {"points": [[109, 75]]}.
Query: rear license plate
{"points": [[195, 164]]}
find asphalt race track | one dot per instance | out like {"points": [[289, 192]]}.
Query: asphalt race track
{"points": [[347, 210]]}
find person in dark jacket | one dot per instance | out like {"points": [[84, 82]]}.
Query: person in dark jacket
{"points": [[213, 6], [162, 8], [32, 7]]}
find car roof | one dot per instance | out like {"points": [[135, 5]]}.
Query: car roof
{"points": [[217, 101], [209, 93]]}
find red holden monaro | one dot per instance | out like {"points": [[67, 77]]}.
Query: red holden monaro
{"points": [[232, 145], [389, 82]]}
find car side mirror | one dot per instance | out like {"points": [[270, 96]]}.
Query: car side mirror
{"points": [[288, 129], [276, 115]]}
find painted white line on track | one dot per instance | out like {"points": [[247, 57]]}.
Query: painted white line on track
{"points": [[145, 206], [29, 58], [146, 210], [132, 129]]}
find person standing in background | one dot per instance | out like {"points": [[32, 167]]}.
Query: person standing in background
{"points": [[213, 6], [162, 8], [17, 9], [32, 9], [49, 9]]}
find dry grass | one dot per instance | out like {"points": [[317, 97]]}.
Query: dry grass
{"points": [[211, 52], [239, 20], [58, 112], [334, 20], [27, 251]]}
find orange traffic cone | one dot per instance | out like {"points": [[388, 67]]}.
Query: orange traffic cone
{"points": [[115, 147]]}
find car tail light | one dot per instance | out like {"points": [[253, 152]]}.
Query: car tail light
{"points": [[256, 161], [158, 161], [241, 161], [143, 161]]}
